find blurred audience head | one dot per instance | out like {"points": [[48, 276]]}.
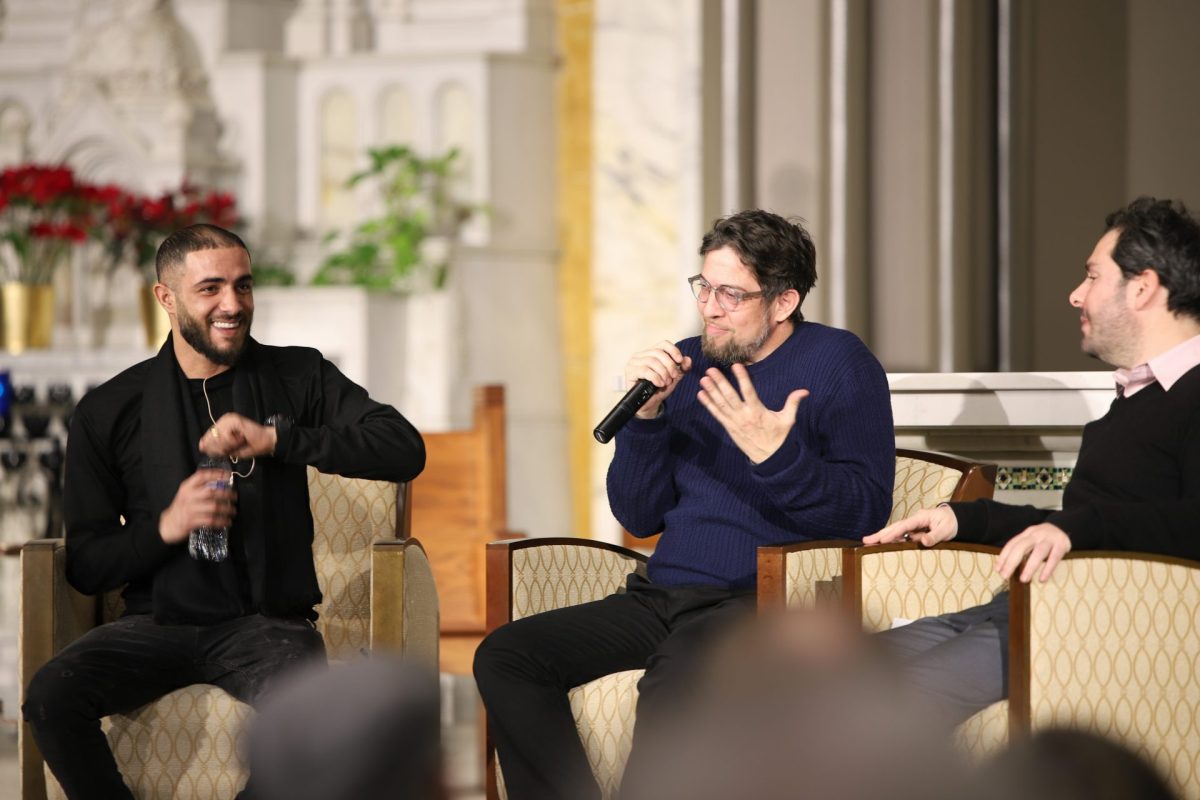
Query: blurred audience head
{"points": [[799, 705], [359, 731], [1057, 764]]}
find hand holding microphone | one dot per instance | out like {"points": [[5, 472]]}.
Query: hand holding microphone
{"points": [[655, 373]]}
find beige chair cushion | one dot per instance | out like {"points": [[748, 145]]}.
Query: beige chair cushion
{"points": [[985, 733], [911, 584], [348, 515], [1114, 650], [555, 576], [186, 745], [920, 484], [813, 577], [605, 710]]}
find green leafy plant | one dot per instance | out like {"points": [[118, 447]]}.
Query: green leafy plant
{"points": [[392, 250], [273, 273]]}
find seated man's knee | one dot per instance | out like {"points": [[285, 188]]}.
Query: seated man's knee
{"points": [[488, 655], [501, 656], [53, 692]]}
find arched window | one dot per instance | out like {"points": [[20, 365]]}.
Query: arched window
{"points": [[339, 156]]}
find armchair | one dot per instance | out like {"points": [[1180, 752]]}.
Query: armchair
{"points": [[378, 595], [1108, 645], [530, 576]]}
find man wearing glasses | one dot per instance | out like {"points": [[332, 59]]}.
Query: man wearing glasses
{"points": [[766, 429]]}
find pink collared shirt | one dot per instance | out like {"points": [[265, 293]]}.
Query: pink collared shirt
{"points": [[1166, 368]]}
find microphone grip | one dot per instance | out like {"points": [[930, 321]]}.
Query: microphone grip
{"points": [[633, 400]]}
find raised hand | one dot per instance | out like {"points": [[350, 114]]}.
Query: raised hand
{"points": [[755, 429]]}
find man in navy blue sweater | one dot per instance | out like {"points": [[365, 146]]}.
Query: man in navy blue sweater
{"points": [[766, 429], [1136, 483]]}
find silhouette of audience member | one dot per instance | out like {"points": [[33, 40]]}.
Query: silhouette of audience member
{"points": [[1058, 764], [363, 731], [799, 705]]}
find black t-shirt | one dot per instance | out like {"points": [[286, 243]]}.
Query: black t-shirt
{"points": [[219, 590]]}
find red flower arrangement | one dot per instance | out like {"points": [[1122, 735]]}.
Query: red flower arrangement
{"points": [[43, 213], [135, 225]]}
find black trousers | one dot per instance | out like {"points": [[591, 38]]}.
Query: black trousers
{"points": [[126, 664], [524, 669]]}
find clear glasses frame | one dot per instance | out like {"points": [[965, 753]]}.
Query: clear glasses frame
{"points": [[728, 297]]}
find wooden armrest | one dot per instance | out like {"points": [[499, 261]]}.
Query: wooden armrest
{"points": [[404, 602], [52, 616], [773, 589]]}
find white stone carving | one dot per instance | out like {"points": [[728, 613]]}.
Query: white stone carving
{"points": [[135, 103]]}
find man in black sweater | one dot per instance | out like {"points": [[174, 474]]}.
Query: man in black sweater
{"points": [[133, 494], [1136, 482]]}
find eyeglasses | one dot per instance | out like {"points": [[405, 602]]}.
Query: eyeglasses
{"points": [[728, 298]]}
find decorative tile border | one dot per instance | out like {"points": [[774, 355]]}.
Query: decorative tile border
{"points": [[1033, 478]]}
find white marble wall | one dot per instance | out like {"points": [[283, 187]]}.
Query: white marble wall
{"points": [[648, 218]]}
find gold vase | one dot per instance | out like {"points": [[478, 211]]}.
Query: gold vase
{"points": [[155, 321], [27, 311]]}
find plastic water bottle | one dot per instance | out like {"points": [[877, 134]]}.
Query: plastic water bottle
{"points": [[212, 544]]}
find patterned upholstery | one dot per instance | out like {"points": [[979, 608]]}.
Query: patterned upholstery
{"points": [[813, 574], [1113, 649], [560, 575], [348, 515], [984, 734], [187, 744], [605, 710], [556, 574], [912, 583], [920, 484], [813, 577]]}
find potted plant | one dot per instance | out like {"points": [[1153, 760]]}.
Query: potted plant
{"points": [[42, 217], [408, 246]]}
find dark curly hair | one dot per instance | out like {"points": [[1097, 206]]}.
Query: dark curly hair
{"points": [[1163, 236], [780, 252]]}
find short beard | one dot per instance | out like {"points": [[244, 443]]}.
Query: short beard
{"points": [[734, 352], [195, 333]]}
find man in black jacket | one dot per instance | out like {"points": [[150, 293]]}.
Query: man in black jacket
{"points": [[133, 493], [1136, 482]]}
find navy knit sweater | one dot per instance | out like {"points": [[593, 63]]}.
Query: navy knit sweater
{"points": [[681, 473]]}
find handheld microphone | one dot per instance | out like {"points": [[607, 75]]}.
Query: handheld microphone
{"points": [[633, 400]]}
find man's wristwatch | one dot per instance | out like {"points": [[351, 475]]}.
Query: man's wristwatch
{"points": [[282, 425]]}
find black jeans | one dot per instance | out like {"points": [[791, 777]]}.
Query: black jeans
{"points": [[128, 663], [524, 669]]}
